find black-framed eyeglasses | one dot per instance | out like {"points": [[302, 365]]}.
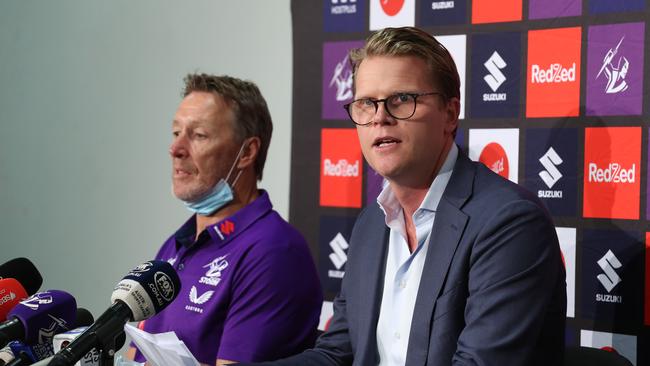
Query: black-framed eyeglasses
{"points": [[398, 106]]}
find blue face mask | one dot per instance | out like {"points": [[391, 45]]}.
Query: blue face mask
{"points": [[218, 197]]}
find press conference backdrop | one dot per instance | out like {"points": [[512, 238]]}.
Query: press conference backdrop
{"points": [[88, 90], [554, 97]]}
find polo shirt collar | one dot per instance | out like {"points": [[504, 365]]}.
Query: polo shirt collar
{"points": [[226, 229]]}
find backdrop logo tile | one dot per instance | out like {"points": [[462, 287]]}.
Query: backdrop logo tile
{"points": [[541, 9], [493, 11], [334, 240], [612, 274], [553, 80], [391, 13], [498, 149], [496, 64], [609, 6], [344, 15], [457, 47], [624, 345], [612, 172], [567, 238], [551, 168], [437, 12], [615, 69], [341, 170], [337, 78]]}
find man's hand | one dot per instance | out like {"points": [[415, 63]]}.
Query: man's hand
{"points": [[221, 362]]}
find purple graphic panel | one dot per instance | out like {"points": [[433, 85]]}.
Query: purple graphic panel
{"points": [[615, 69], [337, 78], [542, 9]]}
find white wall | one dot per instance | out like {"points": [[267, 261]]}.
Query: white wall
{"points": [[88, 89]]}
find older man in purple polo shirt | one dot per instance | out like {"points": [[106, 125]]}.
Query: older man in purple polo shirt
{"points": [[250, 291]]}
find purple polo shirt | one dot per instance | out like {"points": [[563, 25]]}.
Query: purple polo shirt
{"points": [[250, 291]]}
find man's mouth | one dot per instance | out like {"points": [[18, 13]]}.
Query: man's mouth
{"points": [[385, 141]]}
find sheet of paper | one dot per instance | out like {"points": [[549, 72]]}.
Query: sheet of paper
{"points": [[163, 349]]}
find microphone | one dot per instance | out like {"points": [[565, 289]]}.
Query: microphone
{"points": [[25, 354], [38, 318], [84, 318], [143, 292], [11, 293], [24, 271]]}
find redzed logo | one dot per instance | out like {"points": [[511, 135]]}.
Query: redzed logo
{"points": [[611, 187], [391, 7], [555, 73], [340, 169], [613, 173], [341, 177], [495, 158], [227, 227], [553, 82]]}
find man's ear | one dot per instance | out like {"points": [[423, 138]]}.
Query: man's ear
{"points": [[452, 110], [249, 153]]}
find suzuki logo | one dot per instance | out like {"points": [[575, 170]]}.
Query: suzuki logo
{"points": [[494, 65], [339, 245], [610, 278], [615, 74], [550, 161]]}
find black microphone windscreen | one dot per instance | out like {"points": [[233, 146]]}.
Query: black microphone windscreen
{"points": [[24, 271], [84, 318]]}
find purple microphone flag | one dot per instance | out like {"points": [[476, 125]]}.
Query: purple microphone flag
{"points": [[45, 314]]}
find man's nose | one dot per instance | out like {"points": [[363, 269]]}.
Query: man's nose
{"points": [[178, 147], [382, 117]]}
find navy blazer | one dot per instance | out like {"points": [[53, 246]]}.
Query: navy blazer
{"points": [[493, 287]]}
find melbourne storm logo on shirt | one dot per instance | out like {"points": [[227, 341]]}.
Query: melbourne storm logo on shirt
{"points": [[213, 275]]}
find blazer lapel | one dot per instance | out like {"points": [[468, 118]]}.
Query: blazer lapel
{"points": [[448, 228], [372, 282]]}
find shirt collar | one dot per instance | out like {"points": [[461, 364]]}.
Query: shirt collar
{"points": [[227, 228], [390, 205]]}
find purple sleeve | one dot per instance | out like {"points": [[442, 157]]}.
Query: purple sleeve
{"points": [[275, 305]]}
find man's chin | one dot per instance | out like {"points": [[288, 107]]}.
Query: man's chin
{"points": [[188, 196]]}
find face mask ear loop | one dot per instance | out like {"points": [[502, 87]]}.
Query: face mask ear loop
{"points": [[235, 164]]}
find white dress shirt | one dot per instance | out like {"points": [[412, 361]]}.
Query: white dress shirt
{"points": [[403, 268]]}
